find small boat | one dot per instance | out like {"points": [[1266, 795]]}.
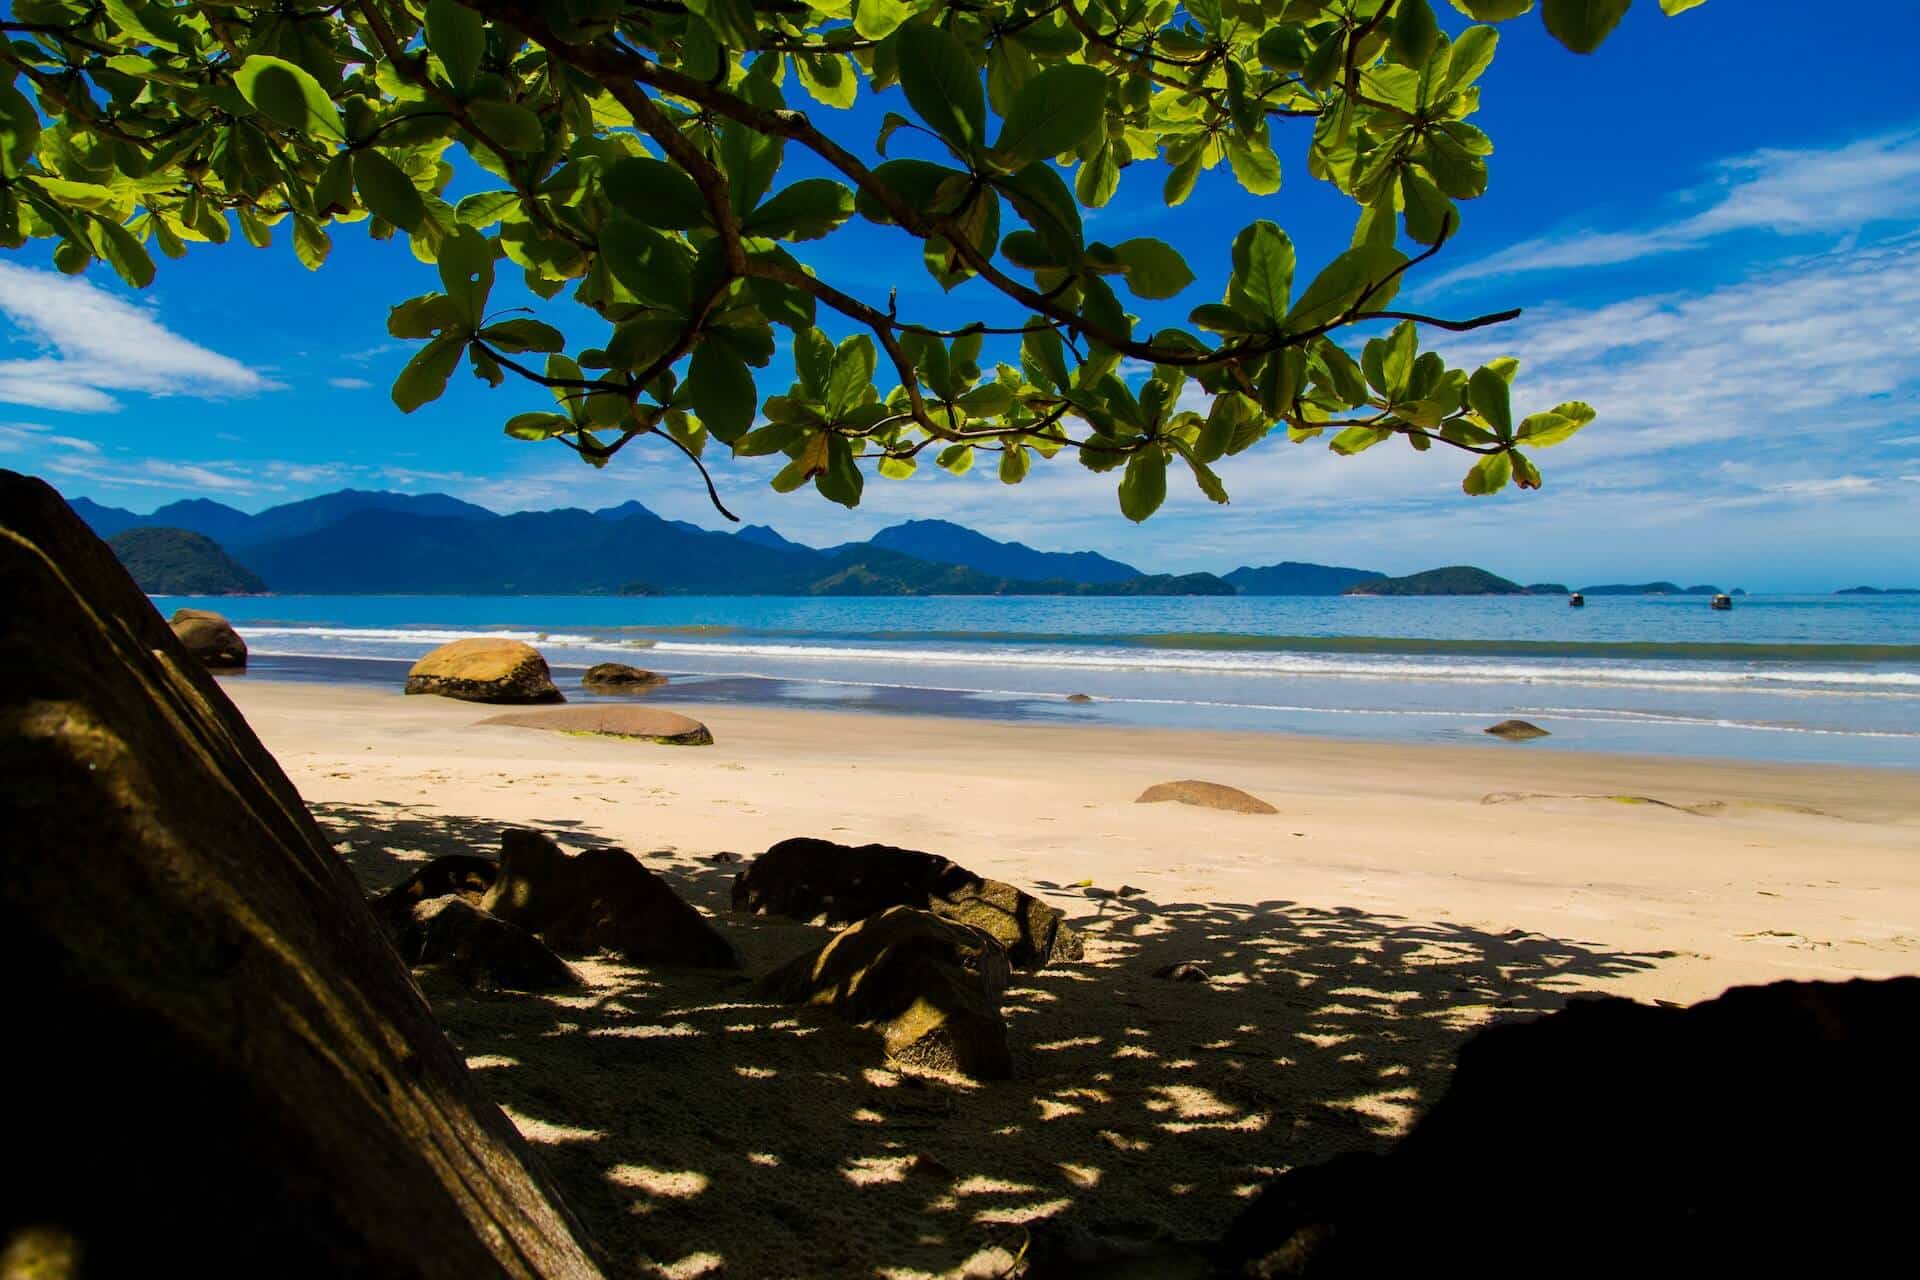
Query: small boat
{"points": [[1723, 601], [1576, 601]]}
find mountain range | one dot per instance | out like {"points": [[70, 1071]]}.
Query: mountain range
{"points": [[357, 542]]}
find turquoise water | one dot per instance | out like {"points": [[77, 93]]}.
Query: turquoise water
{"points": [[1794, 678]]}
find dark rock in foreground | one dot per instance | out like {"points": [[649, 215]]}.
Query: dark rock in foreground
{"points": [[209, 637], [1517, 730], [485, 670], [1206, 795], [812, 879], [480, 949], [219, 1062], [645, 724], [1759, 1133], [618, 677], [929, 986], [465, 875], [600, 900]]}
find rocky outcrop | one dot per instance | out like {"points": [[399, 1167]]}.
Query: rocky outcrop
{"points": [[1206, 795], [481, 950], [485, 670], [219, 1058], [1747, 1135], [464, 875], [600, 900], [643, 724], [929, 986], [1517, 730], [835, 883], [618, 677], [209, 637]]}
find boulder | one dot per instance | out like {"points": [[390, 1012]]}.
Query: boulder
{"points": [[202, 1004], [1517, 730], [1079, 697], [618, 677], [645, 724], [485, 670], [209, 637], [835, 883], [1750, 1134], [600, 900], [929, 986], [1206, 795], [481, 950], [466, 875]]}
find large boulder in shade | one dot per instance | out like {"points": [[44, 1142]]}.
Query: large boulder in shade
{"points": [[642, 724], [929, 986], [1754, 1134], [812, 879], [1205, 795], [200, 999], [463, 875], [600, 900], [618, 677], [479, 949], [209, 637], [485, 670]]}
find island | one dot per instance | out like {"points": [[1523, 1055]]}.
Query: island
{"points": [[176, 562], [1878, 591], [1453, 580]]}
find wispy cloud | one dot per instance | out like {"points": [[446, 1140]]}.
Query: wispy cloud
{"points": [[349, 384], [1837, 189], [95, 343], [266, 478]]}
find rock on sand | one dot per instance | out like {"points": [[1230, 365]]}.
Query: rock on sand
{"points": [[1207, 795], [650, 724], [485, 670]]}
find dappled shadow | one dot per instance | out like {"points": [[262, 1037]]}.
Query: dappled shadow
{"points": [[698, 1131]]}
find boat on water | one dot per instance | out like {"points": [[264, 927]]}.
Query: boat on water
{"points": [[1723, 601], [1576, 601]]}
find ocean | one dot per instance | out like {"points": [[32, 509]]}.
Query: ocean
{"points": [[1806, 679]]}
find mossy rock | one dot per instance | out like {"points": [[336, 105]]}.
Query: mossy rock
{"points": [[485, 670]]}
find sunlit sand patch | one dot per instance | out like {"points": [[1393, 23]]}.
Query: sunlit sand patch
{"points": [[647, 1031], [867, 1115], [1188, 1102], [667, 1184], [1394, 1109], [1120, 1141], [484, 1061], [1023, 1213], [756, 1073], [1254, 1123], [1050, 1109], [1322, 1039], [1075, 1042], [1084, 1093], [982, 1185], [867, 1171], [1080, 1175], [881, 1079], [690, 1267], [543, 1131], [765, 1159]]}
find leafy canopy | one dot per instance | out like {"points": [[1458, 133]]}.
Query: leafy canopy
{"points": [[635, 157]]}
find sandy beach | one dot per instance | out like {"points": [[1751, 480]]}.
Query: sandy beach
{"points": [[1402, 896]]}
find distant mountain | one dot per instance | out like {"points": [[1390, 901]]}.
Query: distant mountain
{"points": [[1878, 591], [948, 543], [1454, 580], [1648, 589], [179, 562], [224, 524], [1294, 578], [767, 536], [1548, 589], [103, 520]]}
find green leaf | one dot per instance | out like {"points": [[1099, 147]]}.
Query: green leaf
{"points": [[1254, 165], [1014, 464], [289, 95], [1489, 475], [654, 192], [956, 459], [1219, 318], [19, 131], [1051, 114], [1340, 285], [425, 376], [387, 191], [637, 343], [458, 37], [1675, 7], [1582, 25], [813, 361], [510, 126], [878, 19], [1471, 55], [126, 254], [943, 86], [514, 336], [1491, 398], [1144, 486], [1414, 33], [1039, 195], [1357, 439], [840, 481], [311, 244], [1542, 430], [466, 273], [1042, 347], [828, 78], [652, 267], [1154, 268], [750, 159], [720, 388], [1493, 10], [424, 317], [1262, 279], [538, 426], [807, 210], [731, 21], [850, 374]]}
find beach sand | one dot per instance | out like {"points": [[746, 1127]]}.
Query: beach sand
{"points": [[1401, 897]]}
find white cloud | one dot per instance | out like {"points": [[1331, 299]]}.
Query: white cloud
{"points": [[349, 384], [97, 343], [268, 477], [1786, 192]]}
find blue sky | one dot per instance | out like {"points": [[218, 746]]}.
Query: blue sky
{"points": [[1713, 225]]}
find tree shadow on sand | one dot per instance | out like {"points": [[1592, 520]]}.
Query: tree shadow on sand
{"points": [[697, 1131]]}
